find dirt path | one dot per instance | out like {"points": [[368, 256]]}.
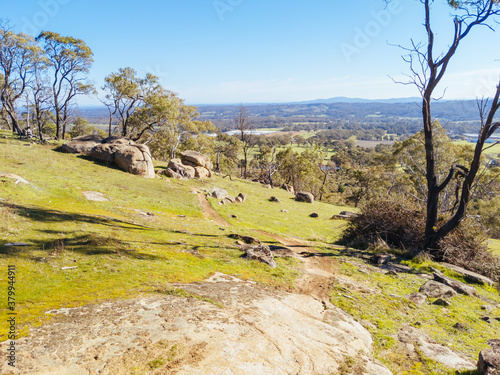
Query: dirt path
{"points": [[208, 210], [317, 271]]}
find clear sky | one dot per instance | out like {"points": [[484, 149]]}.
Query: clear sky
{"points": [[253, 51]]}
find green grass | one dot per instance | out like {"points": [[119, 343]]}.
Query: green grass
{"points": [[385, 311], [120, 251], [495, 247], [259, 213]]}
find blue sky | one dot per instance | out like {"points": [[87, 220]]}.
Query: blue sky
{"points": [[247, 51]]}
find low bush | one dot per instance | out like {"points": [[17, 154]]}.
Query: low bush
{"points": [[398, 224], [401, 225], [467, 247]]}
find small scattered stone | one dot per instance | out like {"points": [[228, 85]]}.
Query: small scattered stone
{"points": [[246, 239], [234, 216], [393, 273], [441, 302], [222, 229], [274, 199], [181, 215], [381, 259], [314, 214], [285, 211], [262, 253], [460, 326], [243, 197], [303, 196], [417, 298], [486, 307], [16, 244], [487, 319], [433, 289], [94, 196]]}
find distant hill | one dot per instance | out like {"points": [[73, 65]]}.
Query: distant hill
{"points": [[343, 99], [395, 116]]}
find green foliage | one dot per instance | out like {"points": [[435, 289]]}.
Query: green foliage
{"points": [[68, 60], [81, 127], [149, 113]]}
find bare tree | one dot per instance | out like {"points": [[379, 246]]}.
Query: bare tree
{"points": [[244, 127], [427, 68]]}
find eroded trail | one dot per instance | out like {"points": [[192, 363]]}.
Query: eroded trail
{"points": [[208, 210], [317, 272]]}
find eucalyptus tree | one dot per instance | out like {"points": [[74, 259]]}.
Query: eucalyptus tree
{"points": [[428, 64], [69, 61], [19, 53], [39, 100], [124, 94], [167, 122]]}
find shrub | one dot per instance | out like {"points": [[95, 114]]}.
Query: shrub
{"points": [[398, 224], [467, 247], [401, 225]]}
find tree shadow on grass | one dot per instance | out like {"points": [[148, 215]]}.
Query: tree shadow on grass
{"points": [[55, 216], [106, 164], [89, 244]]}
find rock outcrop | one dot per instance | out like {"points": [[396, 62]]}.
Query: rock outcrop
{"points": [[414, 339], [434, 289], [455, 285], [489, 359], [288, 188], [262, 253], [82, 145], [192, 164], [135, 159], [125, 153], [196, 159], [259, 331], [185, 171], [303, 196]]}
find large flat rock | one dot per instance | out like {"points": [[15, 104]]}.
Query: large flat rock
{"points": [[249, 330]]}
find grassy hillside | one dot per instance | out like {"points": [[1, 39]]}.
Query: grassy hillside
{"points": [[118, 248], [150, 233]]}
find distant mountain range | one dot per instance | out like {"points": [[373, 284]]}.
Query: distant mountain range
{"points": [[337, 99], [343, 99]]}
